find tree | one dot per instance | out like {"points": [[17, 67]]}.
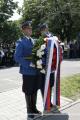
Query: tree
{"points": [[7, 8], [63, 21], [10, 32], [8, 29], [61, 15]]}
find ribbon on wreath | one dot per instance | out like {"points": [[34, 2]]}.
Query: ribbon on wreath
{"points": [[51, 42]]}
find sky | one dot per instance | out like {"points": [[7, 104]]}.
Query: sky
{"points": [[16, 16]]}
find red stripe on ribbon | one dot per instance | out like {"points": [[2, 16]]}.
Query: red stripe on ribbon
{"points": [[59, 93], [48, 99]]}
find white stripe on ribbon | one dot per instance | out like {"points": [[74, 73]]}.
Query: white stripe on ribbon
{"points": [[47, 77]]}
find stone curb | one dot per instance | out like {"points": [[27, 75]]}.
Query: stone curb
{"points": [[69, 105], [67, 99]]}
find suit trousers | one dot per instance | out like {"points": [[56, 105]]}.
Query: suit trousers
{"points": [[30, 84]]}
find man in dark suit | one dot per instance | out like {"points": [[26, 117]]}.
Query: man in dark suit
{"points": [[22, 55], [45, 33]]}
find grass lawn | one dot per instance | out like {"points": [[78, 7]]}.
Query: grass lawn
{"points": [[70, 87]]}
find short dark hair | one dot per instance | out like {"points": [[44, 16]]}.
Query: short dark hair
{"points": [[26, 24], [43, 26]]}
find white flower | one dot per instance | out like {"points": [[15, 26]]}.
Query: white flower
{"points": [[39, 53], [42, 53], [39, 64], [42, 71], [32, 65], [43, 47]]}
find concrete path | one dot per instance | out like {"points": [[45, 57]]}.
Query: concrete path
{"points": [[73, 110], [12, 102], [13, 107]]}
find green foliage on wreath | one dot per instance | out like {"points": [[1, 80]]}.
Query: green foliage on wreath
{"points": [[38, 44]]}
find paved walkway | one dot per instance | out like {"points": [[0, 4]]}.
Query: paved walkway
{"points": [[13, 107], [12, 102], [73, 110]]}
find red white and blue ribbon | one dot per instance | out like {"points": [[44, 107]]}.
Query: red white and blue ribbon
{"points": [[50, 46], [56, 92]]}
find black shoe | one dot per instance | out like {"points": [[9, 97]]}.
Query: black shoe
{"points": [[51, 105], [55, 109], [28, 118], [31, 115], [36, 111]]}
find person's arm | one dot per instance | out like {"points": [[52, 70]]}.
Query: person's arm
{"points": [[18, 55]]}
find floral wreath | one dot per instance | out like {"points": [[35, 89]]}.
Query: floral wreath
{"points": [[39, 54]]}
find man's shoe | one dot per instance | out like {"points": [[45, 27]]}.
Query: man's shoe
{"points": [[36, 111], [51, 105], [29, 118], [31, 115], [55, 109]]}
